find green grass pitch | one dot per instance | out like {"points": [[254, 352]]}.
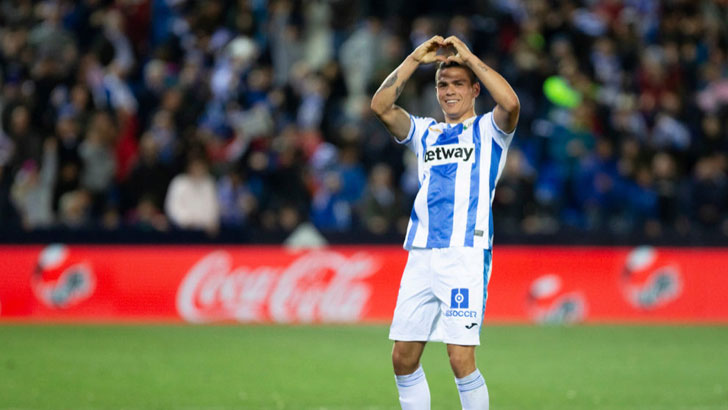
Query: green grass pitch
{"points": [[348, 367]]}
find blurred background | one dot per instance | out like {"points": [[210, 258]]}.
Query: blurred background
{"points": [[240, 121]]}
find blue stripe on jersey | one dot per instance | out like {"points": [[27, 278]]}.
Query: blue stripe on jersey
{"points": [[495, 156], [474, 186], [423, 141], [413, 215], [441, 201], [413, 229], [441, 194], [487, 260]]}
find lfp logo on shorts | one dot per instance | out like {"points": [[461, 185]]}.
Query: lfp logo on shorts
{"points": [[459, 301]]}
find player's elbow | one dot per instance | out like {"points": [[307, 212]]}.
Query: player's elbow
{"points": [[378, 107], [511, 104]]}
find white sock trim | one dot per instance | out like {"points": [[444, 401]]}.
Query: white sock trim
{"points": [[409, 380], [470, 382]]}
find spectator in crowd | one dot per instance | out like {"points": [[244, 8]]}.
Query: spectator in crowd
{"points": [[149, 177], [513, 202], [237, 202], [710, 191], [32, 191], [192, 201], [147, 216], [26, 140], [99, 166], [74, 209], [382, 203], [8, 213], [330, 208]]}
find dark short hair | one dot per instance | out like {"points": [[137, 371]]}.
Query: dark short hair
{"points": [[445, 64]]}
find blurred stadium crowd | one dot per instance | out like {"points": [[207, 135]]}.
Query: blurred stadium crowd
{"points": [[254, 115]]}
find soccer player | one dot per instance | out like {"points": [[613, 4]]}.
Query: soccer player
{"points": [[444, 285]]}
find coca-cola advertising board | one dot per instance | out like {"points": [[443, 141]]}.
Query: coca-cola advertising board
{"points": [[351, 284]]}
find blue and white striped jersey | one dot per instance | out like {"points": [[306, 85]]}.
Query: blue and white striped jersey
{"points": [[458, 166]]}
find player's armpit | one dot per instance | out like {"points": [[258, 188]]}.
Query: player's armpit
{"points": [[397, 121]]}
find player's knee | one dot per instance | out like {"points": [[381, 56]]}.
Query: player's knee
{"points": [[462, 361], [404, 361]]}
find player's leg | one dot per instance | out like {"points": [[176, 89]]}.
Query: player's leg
{"points": [[414, 392], [471, 385], [406, 357], [462, 359], [462, 278], [414, 314]]}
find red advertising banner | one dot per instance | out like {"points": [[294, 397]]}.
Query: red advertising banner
{"points": [[203, 284]]}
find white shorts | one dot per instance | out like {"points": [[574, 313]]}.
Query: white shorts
{"points": [[442, 296]]}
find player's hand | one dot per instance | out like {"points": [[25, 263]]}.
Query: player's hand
{"points": [[462, 54], [426, 52]]}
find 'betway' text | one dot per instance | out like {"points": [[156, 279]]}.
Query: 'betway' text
{"points": [[447, 154]]}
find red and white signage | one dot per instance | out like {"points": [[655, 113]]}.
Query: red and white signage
{"points": [[322, 286], [349, 284]]}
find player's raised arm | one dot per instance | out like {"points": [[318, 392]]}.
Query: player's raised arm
{"points": [[394, 117], [508, 107]]}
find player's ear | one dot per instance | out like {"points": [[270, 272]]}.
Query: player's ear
{"points": [[476, 89]]}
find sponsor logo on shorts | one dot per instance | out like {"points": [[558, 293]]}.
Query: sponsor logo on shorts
{"points": [[470, 326], [459, 300], [461, 313]]}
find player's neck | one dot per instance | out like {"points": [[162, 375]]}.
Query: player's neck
{"points": [[462, 118]]}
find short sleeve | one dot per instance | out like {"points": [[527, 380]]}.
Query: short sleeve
{"points": [[503, 138], [418, 128]]}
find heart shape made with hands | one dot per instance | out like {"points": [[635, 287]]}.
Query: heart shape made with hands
{"points": [[446, 50]]}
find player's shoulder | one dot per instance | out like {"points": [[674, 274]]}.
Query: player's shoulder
{"points": [[421, 124], [419, 119], [485, 119], [488, 121], [489, 126]]}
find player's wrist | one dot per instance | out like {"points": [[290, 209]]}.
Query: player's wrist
{"points": [[413, 59], [469, 60]]}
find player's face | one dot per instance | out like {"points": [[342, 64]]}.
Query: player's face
{"points": [[456, 94]]}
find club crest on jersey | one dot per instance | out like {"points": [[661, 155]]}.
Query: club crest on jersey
{"points": [[450, 153]]}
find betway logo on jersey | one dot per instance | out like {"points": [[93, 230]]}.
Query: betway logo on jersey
{"points": [[448, 154]]}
